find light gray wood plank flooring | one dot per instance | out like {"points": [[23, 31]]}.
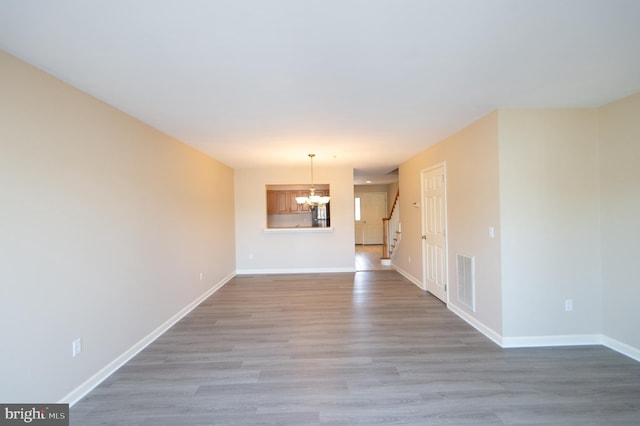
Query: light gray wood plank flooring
{"points": [[364, 348], [368, 258]]}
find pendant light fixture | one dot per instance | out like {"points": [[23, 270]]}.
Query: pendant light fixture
{"points": [[313, 199]]}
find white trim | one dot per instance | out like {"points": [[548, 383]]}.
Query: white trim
{"points": [[294, 271], [81, 391], [488, 332], [560, 340], [623, 348], [409, 277], [316, 229], [548, 341]]}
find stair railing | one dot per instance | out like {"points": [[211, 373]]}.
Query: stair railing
{"points": [[390, 231]]}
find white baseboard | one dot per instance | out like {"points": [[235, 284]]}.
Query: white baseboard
{"points": [[408, 276], [81, 391], [560, 340], [488, 332], [539, 341], [527, 341], [623, 348], [294, 271]]}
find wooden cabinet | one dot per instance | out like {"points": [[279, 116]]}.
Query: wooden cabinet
{"points": [[284, 202], [278, 202], [282, 199], [272, 202]]}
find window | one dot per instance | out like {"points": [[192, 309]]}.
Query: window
{"points": [[357, 208]]}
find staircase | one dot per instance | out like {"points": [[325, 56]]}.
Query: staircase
{"points": [[391, 232]]}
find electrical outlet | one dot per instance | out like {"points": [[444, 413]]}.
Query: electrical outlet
{"points": [[201, 276], [568, 305], [492, 232], [76, 347]]}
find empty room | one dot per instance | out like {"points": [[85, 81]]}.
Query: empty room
{"points": [[320, 212]]}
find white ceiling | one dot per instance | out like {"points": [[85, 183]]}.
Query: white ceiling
{"points": [[365, 83]]}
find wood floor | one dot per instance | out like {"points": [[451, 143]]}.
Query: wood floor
{"points": [[364, 348], [368, 258]]}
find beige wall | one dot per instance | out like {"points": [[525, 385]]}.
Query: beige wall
{"points": [[561, 188], [105, 226], [550, 222], [258, 251], [620, 219], [471, 157]]}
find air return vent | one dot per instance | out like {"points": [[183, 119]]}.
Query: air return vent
{"points": [[466, 268]]}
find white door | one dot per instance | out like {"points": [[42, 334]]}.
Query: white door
{"points": [[434, 231], [373, 207]]}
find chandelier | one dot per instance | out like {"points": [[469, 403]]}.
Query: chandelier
{"points": [[313, 199]]}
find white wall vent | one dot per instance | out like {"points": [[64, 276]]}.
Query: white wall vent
{"points": [[466, 271]]}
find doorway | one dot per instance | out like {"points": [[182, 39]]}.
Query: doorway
{"points": [[371, 208], [434, 231]]}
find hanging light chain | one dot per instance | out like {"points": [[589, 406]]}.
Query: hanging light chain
{"points": [[313, 199], [311, 157]]}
